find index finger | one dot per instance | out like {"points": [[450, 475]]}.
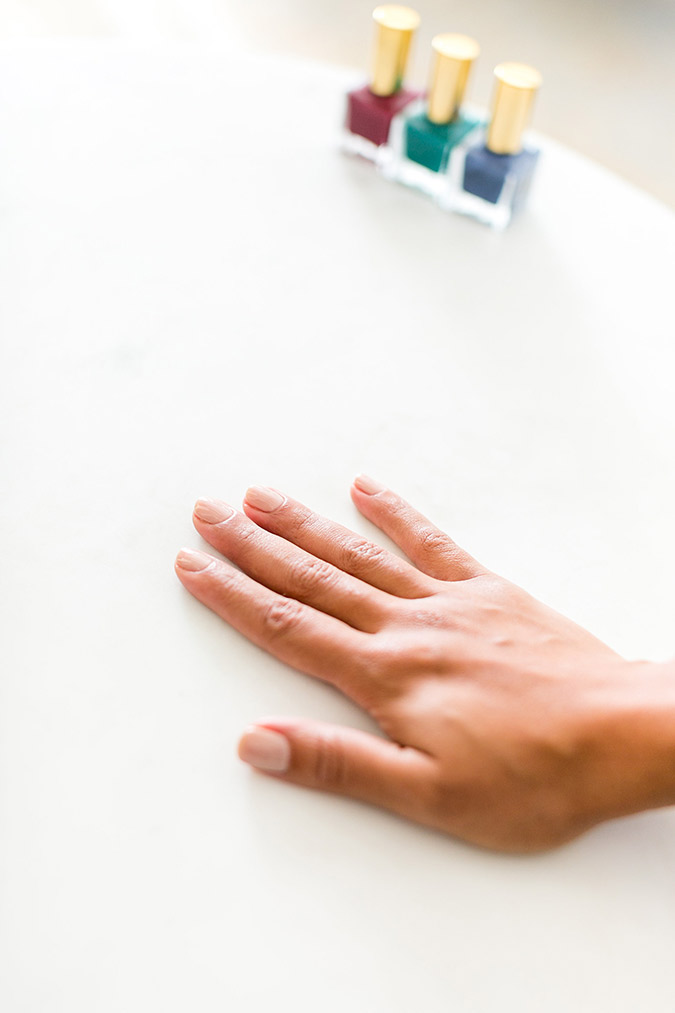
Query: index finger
{"points": [[336, 544]]}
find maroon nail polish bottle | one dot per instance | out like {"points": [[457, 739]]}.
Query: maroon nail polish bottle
{"points": [[371, 109]]}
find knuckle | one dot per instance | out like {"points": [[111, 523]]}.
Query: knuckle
{"points": [[371, 665], [299, 520], [398, 508], [498, 595], [330, 763], [282, 617], [362, 553], [372, 655], [308, 574], [226, 579], [388, 664], [430, 655], [248, 535], [433, 542], [426, 618]]}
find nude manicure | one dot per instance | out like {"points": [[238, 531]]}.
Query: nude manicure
{"points": [[193, 560], [265, 749], [368, 485], [262, 498], [213, 511]]}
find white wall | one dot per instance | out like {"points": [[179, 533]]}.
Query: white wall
{"points": [[608, 66]]}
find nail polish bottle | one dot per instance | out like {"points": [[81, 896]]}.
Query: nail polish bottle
{"points": [[492, 177], [371, 109], [425, 133]]}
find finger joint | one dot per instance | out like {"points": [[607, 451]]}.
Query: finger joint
{"points": [[433, 542], [281, 618], [330, 764], [360, 554], [308, 574]]}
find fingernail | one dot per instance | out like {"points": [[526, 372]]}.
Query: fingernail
{"points": [[265, 749], [213, 511], [262, 498], [192, 559], [369, 485]]}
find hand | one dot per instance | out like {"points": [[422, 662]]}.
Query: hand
{"points": [[507, 725]]}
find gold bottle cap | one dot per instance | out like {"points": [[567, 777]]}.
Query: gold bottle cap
{"points": [[454, 55], [395, 29], [515, 88]]}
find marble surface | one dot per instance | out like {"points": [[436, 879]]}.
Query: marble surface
{"points": [[199, 293]]}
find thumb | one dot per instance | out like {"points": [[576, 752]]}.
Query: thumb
{"points": [[343, 761]]}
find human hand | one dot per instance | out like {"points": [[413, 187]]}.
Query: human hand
{"points": [[507, 725]]}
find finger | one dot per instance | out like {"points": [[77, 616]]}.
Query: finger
{"points": [[289, 570], [430, 549], [337, 545], [343, 761], [308, 640]]}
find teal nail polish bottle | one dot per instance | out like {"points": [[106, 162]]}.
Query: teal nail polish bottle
{"points": [[429, 144], [427, 132]]}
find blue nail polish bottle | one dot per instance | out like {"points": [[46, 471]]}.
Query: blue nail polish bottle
{"points": [[425, 134], [493, 176]]}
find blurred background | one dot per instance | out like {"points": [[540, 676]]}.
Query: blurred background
{"points": [[609, 82]]}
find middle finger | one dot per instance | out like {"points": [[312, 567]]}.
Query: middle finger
{"points": [[290, 570], [339, 546]]}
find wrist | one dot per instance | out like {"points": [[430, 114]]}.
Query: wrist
{"points": [[640, 747]]}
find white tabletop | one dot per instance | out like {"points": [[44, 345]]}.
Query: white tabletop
{"points": [[198, 293]]}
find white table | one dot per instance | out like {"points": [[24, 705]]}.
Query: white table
{"points": [[199, 293]]}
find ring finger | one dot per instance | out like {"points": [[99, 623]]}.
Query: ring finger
{"points": [[290, 570]]}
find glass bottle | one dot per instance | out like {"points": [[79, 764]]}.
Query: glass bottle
{"points": [[492, 177], [371, 109], [426, 132]]}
